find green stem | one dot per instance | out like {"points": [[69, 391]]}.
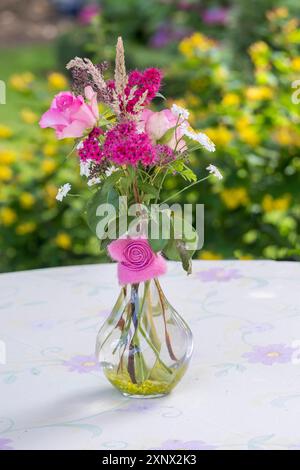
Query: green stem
{"points": [[155, 351], [184, 189]]}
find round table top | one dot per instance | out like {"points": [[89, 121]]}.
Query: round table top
{"points": [[241, 390]]}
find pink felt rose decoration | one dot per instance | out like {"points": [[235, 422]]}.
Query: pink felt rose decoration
{"points": [[136, 260], [71, 115], [156, 124]]}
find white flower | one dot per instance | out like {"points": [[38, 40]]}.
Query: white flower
{"points": [[179, 111], [80, 145], [110, 171], [85, 168], [214, 171], [199, 137], [206, 142], [93, 181], [63, 191]]}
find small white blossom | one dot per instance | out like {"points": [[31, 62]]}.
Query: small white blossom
{"points": [[206, 142], [63, 191], [179, 111], [214, 171], [80, 145], [85, 168], [199, 137], [110, 171], [93, 181]]}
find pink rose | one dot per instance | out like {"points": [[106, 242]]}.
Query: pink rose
{"points": [[156, 124], [70, 115], [136, 260]]}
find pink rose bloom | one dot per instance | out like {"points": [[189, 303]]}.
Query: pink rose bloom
{"points": [[156, 124], [70, 115], [136, 260]]}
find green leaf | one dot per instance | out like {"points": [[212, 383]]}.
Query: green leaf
{"points": [[167, 136], [155, 227], [178, 248], [185, 256], [111, 180], [102, 196], [149, 189]]}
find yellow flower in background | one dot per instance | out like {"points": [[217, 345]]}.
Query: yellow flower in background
{"points": [[231, 99], [27, 155], [63, 240], [26, 228], [248, 133], [291, 25], [21, 82], [27, 200], [259, 93], [278, 13], [270, 204], [209, 255], [7, 156], [5, 132], [6, 173], [293, 37], [295, 64], [193, 100], [286, 135], [250, 136], [198, 42], [57, 81], [28, 116], [50, 149], [50, 194], [245, 257], [7, 216], [220, 135], [259, 48], [48, 166], [235, 197], [259, 53], [220, 74]]}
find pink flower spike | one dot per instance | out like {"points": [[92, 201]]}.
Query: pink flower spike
{"points": [[136, 260]]}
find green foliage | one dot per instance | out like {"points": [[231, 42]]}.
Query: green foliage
{"points": [[253, 213]]}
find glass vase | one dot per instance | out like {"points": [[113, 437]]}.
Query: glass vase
{"points": [[144, 347]]}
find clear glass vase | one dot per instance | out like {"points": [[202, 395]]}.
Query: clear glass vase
{"points": [[144, 346]]}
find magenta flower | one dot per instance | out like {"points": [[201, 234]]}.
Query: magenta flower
{"points": [[70, 115], [5, 444], [136, 260], [269, 355], [88, 13], [174, 444], [90, 148], [147, 81], [82, 364], [217, 15], [124, 145], [219, 275], [156, 124]]}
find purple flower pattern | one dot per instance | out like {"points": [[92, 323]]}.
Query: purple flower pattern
{"points": [[176, 444], [82, 364], [269, 355], [219, 275], [5, 444]]}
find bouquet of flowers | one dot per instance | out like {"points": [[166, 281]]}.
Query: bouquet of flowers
{"points": [[125, 153]]}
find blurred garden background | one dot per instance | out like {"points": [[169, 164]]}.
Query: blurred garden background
{"points": [[230, 62]]}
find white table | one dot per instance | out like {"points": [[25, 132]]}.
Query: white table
{"points": [[242, 390]]}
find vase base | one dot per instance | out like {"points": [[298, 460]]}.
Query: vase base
{"points": [[158, 395]]}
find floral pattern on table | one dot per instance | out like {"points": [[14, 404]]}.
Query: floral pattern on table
{"points": [[241, 390]]}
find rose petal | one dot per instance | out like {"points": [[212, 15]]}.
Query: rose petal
{"points": [[117, 247], [158, 267]]}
